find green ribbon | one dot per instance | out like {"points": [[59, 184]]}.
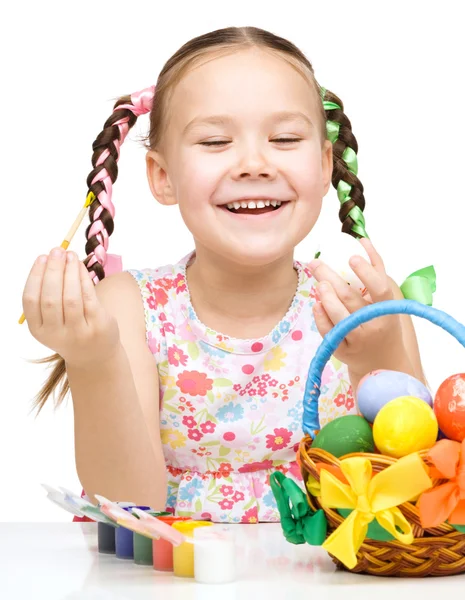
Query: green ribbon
{"points": [[332, 130], [375, 531], [350, 158], [300, 524], [420, 286], [460, 528]]}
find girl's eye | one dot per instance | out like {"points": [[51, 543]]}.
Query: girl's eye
{"points": [[284, 140], [214, 143]]}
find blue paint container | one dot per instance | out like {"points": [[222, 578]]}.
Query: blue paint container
{"points": [[124, 538]]}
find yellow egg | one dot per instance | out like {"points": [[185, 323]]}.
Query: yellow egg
{"points": [[405, 425]]}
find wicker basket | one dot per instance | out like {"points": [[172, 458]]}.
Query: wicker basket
{"points": [[434, 552]]}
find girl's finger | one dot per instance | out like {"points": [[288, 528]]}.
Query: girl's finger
{"points": [[322, 321], [89, 297], [376, 283], [349, 297], [335, 309], [375, 258], [51, 300], [32, 292], [73, 307], [333, 306]]}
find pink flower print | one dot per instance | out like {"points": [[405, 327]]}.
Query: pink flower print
{"points": [[242, 393], [165, 283], [256, 379], [153, 344], [238, 497], [252, 392], [350, 402], [248, 386], [189, 422], [262, 392], [326, 375], [194, 434], [281, 468], [273, 383], [236, 387], [169, 327], [185, 331], [158, 298], [226, 504], [295, 471], [162, 317], [262, 384], [250, 516], [266, 377], [224, 470], [340, 400], [272, 420], [208, 427], [227, 490], [176, 356], [180, 284], [264, 465], [256, 488], [194, 383], [279, 440]]}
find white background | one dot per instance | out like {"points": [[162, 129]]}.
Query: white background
{"points": [[398, 67]]}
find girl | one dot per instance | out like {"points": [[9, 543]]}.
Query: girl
{"points": [[187, 380]]}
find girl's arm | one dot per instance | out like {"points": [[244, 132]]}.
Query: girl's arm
{"points": [[116, 408]]}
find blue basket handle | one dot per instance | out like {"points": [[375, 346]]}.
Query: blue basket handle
{"points": [[334, 338]]}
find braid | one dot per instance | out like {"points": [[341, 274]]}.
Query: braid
{"points": [[100, 181], [344, 179], [101, 213]]}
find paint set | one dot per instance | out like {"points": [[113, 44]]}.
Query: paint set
{"points": [[180, 545]]}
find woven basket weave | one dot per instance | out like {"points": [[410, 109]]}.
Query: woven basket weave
{"points": [[434, 552]]}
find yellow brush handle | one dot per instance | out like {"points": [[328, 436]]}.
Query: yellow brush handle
{"points": [[69, 236]]}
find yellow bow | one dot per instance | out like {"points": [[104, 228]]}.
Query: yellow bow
{"points": [[371, 498]]}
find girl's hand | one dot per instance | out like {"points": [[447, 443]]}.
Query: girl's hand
{"points": [[373, 345], [64, 313]]}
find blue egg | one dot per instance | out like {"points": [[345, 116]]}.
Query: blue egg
{"points": [[379, 387]]}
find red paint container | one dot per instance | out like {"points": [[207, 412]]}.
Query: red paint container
{"points": [[162, 550]]}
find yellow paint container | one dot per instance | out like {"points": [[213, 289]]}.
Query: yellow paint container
{"points": [[183, 555]]}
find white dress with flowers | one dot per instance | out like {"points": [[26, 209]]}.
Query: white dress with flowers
{"points": [[231, 409]]}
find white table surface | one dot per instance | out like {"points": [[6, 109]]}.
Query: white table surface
{"points": [[58, 561]]}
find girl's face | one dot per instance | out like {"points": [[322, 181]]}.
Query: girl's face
{"points": [[243, 157]]}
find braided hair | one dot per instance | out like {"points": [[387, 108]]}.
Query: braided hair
{"points": [[345, 166], [106, 148]]}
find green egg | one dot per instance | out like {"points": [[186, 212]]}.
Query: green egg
{"points": [[345, 435]]}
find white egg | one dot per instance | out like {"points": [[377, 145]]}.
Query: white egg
{"points": [[336, 253]]}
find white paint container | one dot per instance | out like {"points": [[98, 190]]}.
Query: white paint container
{"points": [[214, 555]]}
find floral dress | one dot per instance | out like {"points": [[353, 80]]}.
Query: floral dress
{"points": [[231, 409]]}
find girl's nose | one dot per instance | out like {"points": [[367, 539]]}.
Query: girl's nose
{"points": [[254, 165]]}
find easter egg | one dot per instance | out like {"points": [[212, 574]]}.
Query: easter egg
{"points": [[449, 407], [344, 435], [405, 425], [380, 387], [337, 251]]}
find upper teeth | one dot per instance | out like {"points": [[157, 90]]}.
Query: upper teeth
{"points": [[252, 204]]}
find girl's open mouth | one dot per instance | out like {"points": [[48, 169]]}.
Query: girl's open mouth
{"points": [[253, 207]]}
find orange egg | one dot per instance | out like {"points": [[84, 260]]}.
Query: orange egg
{"points": [[449, 407]]}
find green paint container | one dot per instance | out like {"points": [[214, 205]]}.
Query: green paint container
{"points": [[143, 552]]}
